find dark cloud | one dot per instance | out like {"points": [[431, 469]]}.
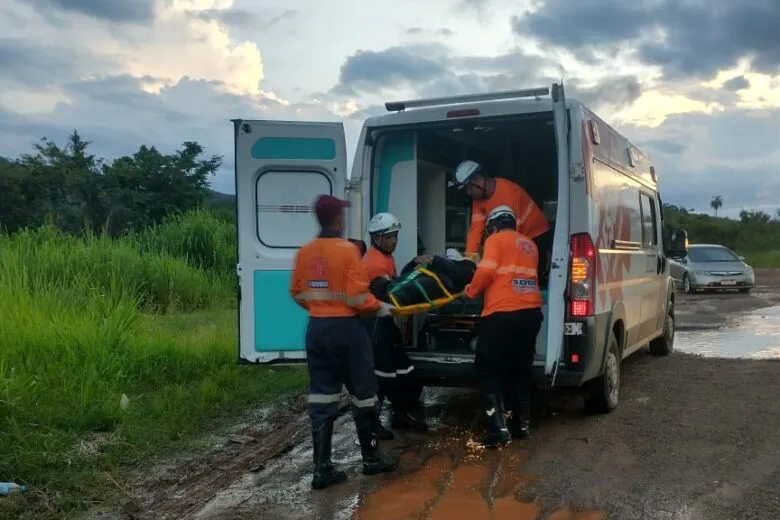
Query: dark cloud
{"points": [[619, 91], [34, 65], [433, 72], [738, 83], [700, 37], [732, 153], [135, 11], [392, 67]]}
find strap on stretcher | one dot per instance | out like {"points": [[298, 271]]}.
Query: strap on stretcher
{"points": [[417, 308]]}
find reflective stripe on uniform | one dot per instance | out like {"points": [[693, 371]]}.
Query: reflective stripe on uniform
{"points": [[398, 372], [364, 403], [516, 269], [327, 296], [324, 398], [488, 264], [528, 209]]}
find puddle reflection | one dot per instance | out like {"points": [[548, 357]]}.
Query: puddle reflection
{"points": [[757, 336]]}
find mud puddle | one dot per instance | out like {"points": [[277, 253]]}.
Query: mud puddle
{"points": [[755, 335], [443, 474]]}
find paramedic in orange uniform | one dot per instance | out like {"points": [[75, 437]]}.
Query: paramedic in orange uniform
{"points": [[487, 193], [330, 283], [511, 319], [392, 365]]}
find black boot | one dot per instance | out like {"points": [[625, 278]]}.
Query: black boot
{"points": [[382, 433], [324, 472], [374, 461], [497, 432], [520, 426]]}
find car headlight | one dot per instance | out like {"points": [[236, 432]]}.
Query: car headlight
{"points": [[700, 272]]}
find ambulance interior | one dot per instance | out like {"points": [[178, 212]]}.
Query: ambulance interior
{"points": [[412, 175]]}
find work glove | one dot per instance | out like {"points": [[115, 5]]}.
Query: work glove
{"points": [[384, 310]]}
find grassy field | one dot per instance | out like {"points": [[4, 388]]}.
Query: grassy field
{"points": [[112, 351], [765, 259]]}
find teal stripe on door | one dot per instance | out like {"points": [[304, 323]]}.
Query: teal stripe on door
{"points": [[307, 148]]}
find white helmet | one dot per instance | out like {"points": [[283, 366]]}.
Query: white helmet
{"points": [[383, 224], [499, 213], [465, 171]]}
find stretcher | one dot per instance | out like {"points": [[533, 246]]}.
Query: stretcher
{"points": [[430, 303]]}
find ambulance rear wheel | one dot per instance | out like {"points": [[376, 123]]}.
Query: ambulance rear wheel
{"points": [[604, 393]]}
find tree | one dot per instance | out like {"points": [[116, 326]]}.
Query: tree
{"points": [[716, 203], [74, 189]]}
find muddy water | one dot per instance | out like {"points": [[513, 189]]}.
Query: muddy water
{"points": [[754, 335], [443, 475], [482, 485]]}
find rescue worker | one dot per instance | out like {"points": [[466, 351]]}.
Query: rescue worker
{"points": [[511, 319], [392, 365], [487, 193], [330, 283]]}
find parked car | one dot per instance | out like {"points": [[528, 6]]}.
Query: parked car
{"points": [[711, 267]]}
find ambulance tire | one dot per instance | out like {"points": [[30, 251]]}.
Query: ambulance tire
{"points": [[603, 394]]}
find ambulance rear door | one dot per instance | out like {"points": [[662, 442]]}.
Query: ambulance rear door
{"points": [[280, 168]]}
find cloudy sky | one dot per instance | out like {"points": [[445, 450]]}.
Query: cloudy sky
{"points": [[696, 83]]}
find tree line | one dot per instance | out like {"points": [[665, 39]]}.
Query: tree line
{"points": [[73, 189]]}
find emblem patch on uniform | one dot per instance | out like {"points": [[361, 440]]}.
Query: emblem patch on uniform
{"points": [[523, 284], [523, 244], [318, 274]]}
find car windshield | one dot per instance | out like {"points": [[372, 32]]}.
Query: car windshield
{"points": [[711, 254]]}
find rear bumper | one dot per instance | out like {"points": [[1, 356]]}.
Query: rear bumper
{"points": [[587, 350]]}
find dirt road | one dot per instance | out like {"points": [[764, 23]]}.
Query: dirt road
{"points": [[694, 438]]}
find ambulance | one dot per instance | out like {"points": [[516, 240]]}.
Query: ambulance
{"points": [[608, 292]]}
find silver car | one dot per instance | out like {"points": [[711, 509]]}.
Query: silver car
{"points": [[711, 267]]}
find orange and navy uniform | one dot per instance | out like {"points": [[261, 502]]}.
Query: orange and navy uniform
{"points": [[329, 279], [507, 273], [378, 264], [531, 221]]}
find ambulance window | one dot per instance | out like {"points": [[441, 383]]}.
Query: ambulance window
{"points": [[649, 221], [284, 199]]}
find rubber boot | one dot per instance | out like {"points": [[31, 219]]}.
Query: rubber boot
{"points": [[403, 419], [324, 473], [374, 461], [382, 433], [497, 432], [520, 425]]}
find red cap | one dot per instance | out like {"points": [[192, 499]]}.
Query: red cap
{"points": [[327, 207]]}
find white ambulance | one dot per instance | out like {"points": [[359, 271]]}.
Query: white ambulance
{"points": [[608, 292]]}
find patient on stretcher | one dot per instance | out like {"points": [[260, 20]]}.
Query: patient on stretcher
{"points": [[419, 284]]}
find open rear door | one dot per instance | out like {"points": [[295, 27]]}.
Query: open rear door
{"points": [[560, 262], [281, 167]]}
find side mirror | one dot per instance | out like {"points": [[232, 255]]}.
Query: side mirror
{"points": [[676, 243], [741, 258]]}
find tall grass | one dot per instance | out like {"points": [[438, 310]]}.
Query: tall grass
{"points": [[111, 351], [763, 259]]}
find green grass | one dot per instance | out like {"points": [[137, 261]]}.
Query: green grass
{"points": [[88, 321], [763, 259]]}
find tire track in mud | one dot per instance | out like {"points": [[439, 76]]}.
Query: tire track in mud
{"points": [[183, 491]]}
